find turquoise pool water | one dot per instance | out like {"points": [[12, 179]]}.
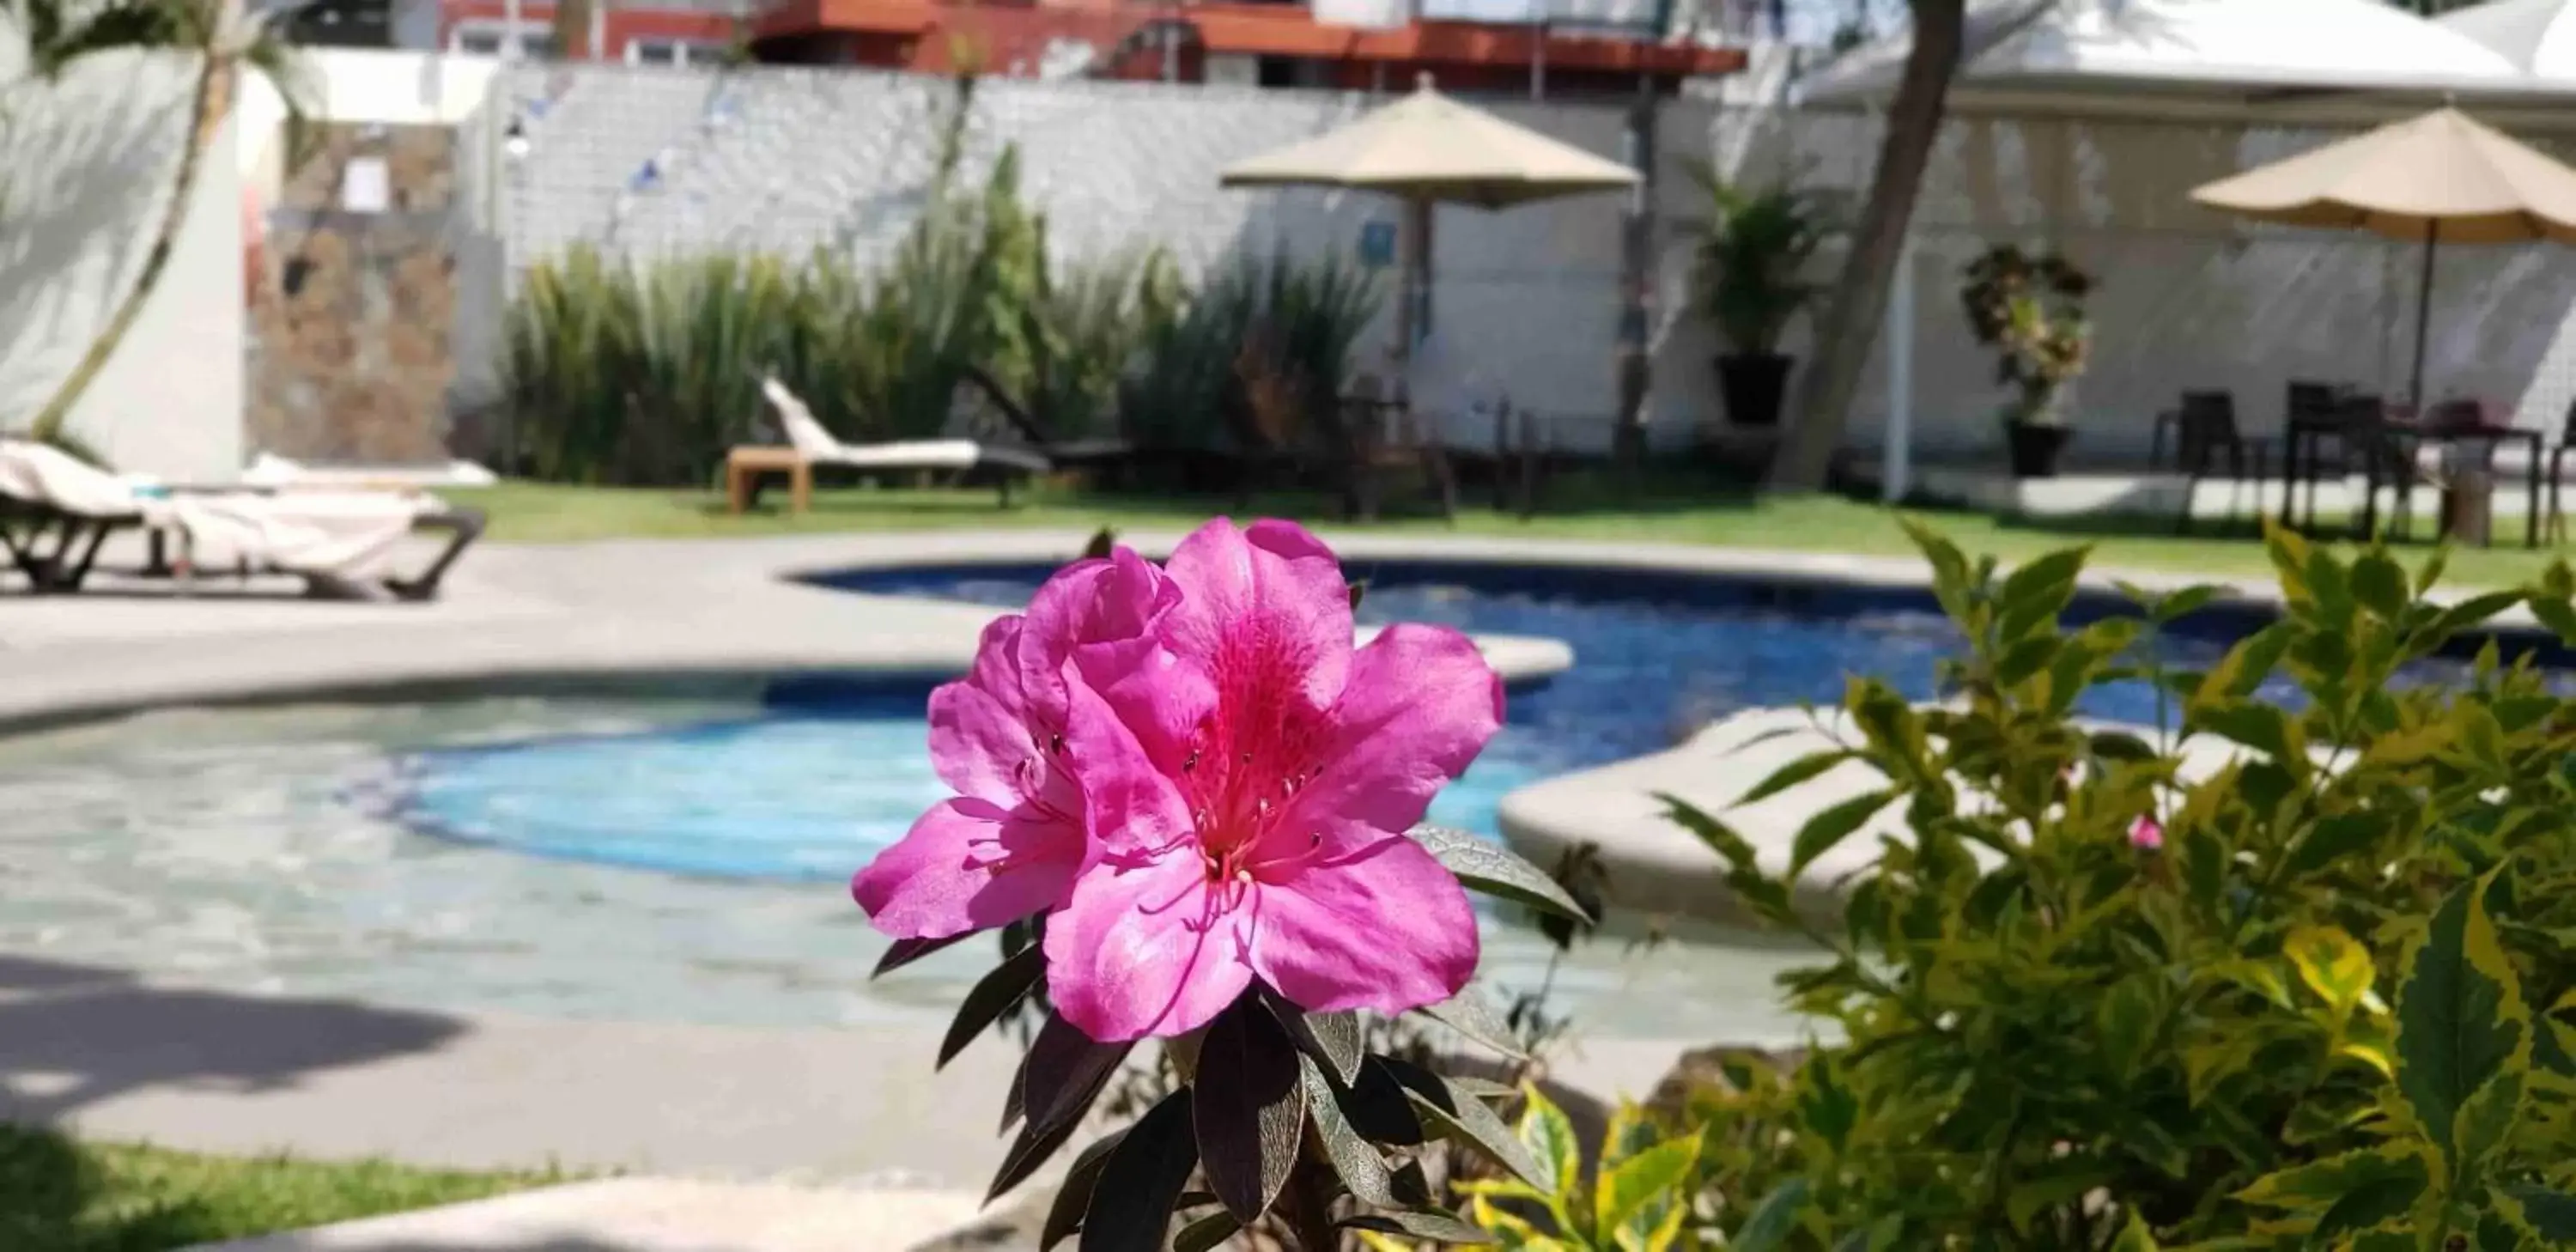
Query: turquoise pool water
{"points": [[801, 793]]}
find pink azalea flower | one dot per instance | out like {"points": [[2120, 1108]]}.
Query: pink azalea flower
{"points": [[2147, 834], [1251, 801], [1010, 842]]}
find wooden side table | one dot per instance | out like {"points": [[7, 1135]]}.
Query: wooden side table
{"points": [[745, 465]]}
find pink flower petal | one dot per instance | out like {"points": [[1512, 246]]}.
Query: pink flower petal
{"points": [[981, 745], [1420, 704], [1386, 928], [1265, 613], [1106, 618], [1141, 950], [965, 866], [1130, 803]]}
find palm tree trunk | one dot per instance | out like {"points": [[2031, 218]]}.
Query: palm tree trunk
{"points": [[1849, 329], [206, 110]]}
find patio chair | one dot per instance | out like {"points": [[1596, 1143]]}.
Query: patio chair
{"points": [[816, 448], [2205, 434], [1111, 453], [57, 513]]}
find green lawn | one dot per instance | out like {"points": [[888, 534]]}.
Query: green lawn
{"points": [[1666, 512], [59, 1195]]}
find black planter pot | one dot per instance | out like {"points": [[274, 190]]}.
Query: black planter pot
{"points": [[2035, 448], [1753, 384]]}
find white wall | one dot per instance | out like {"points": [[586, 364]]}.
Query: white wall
{"points": [[85, 167]]}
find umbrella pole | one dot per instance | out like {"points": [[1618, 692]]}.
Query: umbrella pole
{"points": [[2423, 314], [1413, 313]]}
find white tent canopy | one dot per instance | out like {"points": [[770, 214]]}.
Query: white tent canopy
{"points": [[2148, 51], [2537, 36]]}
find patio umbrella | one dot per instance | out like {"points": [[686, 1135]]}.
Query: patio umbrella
{"points": [[1428, 149], [2440, 178]]}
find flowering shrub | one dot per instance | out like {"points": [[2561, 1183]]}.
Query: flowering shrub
{"points": [[1199, 799], [2312, 995]]}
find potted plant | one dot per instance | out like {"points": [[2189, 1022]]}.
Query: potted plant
{"points": [[2030, 308], [1753, 259]]}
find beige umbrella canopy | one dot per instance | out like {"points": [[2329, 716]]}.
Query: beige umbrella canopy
{"points": [[1430, 149], [2440, 178]]}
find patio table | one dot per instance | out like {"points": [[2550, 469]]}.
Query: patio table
{"points": [[2300, 462]]}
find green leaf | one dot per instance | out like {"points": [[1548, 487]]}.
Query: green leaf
{"points": [[2182, 603], [1772, 1221], [2458, 617], [1792, 774], [1496, 871], [1206, 1233], [1950, 577], [2038, 590], [1141, 1182], [1835, 824], [1767, 896], [2321, 1183], [1103, 545], [1470, 1014], [2379, 584], [2557, 614], [1548, 1137], [2334, 839], [1461, 1118], [1073, 1198], [1251, 1108], [992, 996], [2461, 1021], [1656, 1172], [2548, 1213], [2332, 963], [2134, 1236], [905, 951], [1332, 1038], [1359, 589], [1362, 1169], [1430, 1224], [2266, 728], [2245, 666], [2375, 1200]]}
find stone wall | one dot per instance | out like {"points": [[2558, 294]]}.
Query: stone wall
{"points": [[350, 350]]}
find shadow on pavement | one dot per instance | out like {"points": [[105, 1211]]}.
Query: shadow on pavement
{"points": [[72, 1036]]}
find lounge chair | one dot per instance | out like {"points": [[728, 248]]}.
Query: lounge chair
{"points": [[816, 447], [57, 513]]}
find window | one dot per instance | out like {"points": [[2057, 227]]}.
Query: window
{"points": [[673, 52], [536, 42], [479, 43]]}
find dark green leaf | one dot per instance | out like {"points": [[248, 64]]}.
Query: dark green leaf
{"points": [[2264, 727], [2336, 838], [2549, 1213], [1064, 1072], [2458, 617], [1496, 871], [1332, 1038], [2379, 583], [1104, 542], [1767, 896], [1773, 1220], [1073, 1199], [1215, 1228], [1032, 1149], [992, 996], [1792, 774], [1462, 1118], [1835, 824], [1484, 1089], [2120, 745], [1141, 1182], [2372, 1201], [1471, 1015], [1358, 590], [2245, 666], [1430, 1224], [2037, 591], [1379, 1109], [1362, 1168], [1250, 1110], [1950, 578], [904, 952], [2460, 1017]]}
